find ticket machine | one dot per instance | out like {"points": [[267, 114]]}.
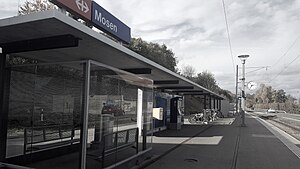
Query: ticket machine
{"points": [[176, 113]]}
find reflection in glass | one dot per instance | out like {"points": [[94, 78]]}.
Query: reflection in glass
{"points": [[112, 119], [45, 105], [45, 118]]}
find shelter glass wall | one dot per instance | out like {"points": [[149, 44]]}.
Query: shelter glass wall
{"points": [[116, 128], [44, 118], [60, 116]]}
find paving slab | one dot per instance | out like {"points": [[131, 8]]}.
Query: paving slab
{"points": [[259, 148], [226, 146]]}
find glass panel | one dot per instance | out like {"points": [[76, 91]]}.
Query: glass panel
{"points": [[112, 122], [45, 107], [20, 110], [147, 116]]}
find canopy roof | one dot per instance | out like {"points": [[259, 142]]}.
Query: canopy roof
{"points": [[69, 40]]}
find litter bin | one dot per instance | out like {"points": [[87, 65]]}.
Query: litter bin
{"points": [[107, 128], [104, 126]]}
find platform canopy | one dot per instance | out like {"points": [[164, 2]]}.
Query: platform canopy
{"points": [[52, 36]]}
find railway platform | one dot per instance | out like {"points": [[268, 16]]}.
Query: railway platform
{"points": [[224, 145]]}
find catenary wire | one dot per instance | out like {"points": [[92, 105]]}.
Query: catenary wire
{"points": [[255, 70], [290, 47], [228, 34], [284, 69]]}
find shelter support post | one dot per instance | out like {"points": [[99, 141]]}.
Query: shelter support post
{"points": [[205, 105], [84, 127], [4, 97], [210, 102]]}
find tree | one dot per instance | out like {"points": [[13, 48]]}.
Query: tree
{"points": [[155, 52], [266, 97], [226, 93], [290, 98], [34, 6], [250, 100], [188, 71], [264, 94], [279, 96], [207, 80]]}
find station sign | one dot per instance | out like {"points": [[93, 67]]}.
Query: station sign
{"points": [[93, 13], [81, 8], [110, 24]]}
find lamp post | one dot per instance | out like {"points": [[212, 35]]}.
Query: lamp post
{"points": [[236, 90], [243, 59]]}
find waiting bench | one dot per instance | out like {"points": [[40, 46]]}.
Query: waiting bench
{"points": [[114, 142], [45, 137]]}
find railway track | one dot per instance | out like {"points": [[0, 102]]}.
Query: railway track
{"points": [[292, 127], [287, 125]]}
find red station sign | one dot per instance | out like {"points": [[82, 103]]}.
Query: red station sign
{"points": [[94, 14], [83, 8]]}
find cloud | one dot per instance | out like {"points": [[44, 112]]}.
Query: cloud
{"points": [[195, 30], [9, 8]]}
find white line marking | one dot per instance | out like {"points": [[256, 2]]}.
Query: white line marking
{"points": [[289, 118], [285, 138]]}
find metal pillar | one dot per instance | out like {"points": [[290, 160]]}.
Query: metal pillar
{"points": [[210, 102], [205, 105], [84, 131], [214, 103], [4, 98], [3, 116]]}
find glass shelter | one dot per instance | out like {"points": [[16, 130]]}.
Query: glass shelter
{"points": [[62, 106], [80, 114]]}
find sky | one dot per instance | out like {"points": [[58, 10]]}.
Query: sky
{"points": [[266, 30]]}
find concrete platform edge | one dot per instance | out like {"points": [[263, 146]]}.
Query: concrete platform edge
{"points": [[284, 137]]}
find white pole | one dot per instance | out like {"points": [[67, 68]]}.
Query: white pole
{"points": [[243, 94], [140, 111]]}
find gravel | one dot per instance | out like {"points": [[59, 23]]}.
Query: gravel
{"points": [[290, 127]]}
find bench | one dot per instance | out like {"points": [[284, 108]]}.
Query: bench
{"points": [[117, 141], [45, 137]]}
